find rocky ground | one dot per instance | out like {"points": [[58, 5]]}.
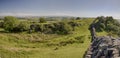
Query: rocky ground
{"points": [[103, 47]]}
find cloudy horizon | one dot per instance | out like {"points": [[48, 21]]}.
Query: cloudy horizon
{"points": [[81, 8]]}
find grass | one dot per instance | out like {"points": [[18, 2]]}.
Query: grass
{"points": [[35, 45], [103, 33]]}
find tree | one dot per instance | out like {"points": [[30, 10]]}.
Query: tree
{"points": [[101, 19], [10, 23], [109, 20], [78, 18], [112, 27], [42, 20]]}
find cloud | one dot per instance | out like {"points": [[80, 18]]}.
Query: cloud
{"points": [[15, 14], [36, 14]]}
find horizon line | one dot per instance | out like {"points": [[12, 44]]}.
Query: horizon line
{"points": [[53, 14]]}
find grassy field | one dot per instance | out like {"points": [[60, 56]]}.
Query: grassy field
{"points": [[38, 45]]}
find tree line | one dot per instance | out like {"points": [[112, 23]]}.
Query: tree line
{"points": [[12, 24]]}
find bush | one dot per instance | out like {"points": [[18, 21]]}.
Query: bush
{"points": [[10, 23], [42, 20], [35, 28], [73, 24], [48, 28], [107, 24], [44, 28], [112, 28], [62, 28], [102, 26], [1, 24], [24, 26]]}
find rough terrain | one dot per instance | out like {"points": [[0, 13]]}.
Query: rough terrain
{"points": [[103, 46]]}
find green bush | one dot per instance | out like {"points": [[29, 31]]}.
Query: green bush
{"points": [[44, 28], [1, 24], [114, 28], [73, 24], [24, 26], [10, 23], [107, 24], [42, 20], [62, 28], [48, 28]]}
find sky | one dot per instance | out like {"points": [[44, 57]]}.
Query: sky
{"points": [[81, 8]]}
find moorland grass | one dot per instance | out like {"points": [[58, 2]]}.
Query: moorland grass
{"points": [[37, 45]]}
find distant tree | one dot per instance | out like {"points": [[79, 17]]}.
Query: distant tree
{"points": [[42, 20], [78, 18], [10, 23]]}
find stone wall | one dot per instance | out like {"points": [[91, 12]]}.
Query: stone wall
{"points": [[103, 47]]}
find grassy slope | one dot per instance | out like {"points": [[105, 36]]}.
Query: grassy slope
{"points": [[23, 45]]}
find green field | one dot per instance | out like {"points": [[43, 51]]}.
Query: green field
{"points": [[39, 45]]}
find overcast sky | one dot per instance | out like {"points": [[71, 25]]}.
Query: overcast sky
{"points": [[82, 8]]}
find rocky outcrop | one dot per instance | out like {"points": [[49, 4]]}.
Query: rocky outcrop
{"points": [[103, 47]]}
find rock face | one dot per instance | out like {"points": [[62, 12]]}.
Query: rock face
{"points": [[103, 47]]}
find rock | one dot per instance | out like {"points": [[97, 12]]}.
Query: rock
{"points": [[103, 46]]}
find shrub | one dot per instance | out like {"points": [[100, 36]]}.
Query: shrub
{"points": [[24, 26], [107, 24], [1, 24], [62, 28], [42, 20], [73, 24], [111, 27], [44, 28], [48, 28], [10, 23], [35, 27]]}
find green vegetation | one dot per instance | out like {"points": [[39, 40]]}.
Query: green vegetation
{"points": [[23, 26], [42, 20], [107, 25], [10, 23], [48, 38]]}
